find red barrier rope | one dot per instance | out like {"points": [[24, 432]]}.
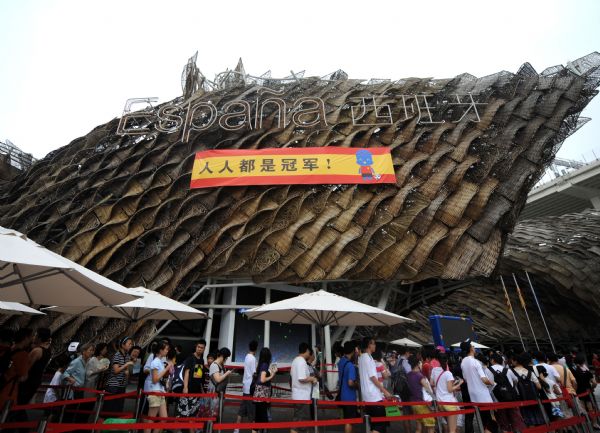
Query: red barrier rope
{"points": [[286, 424], [265, 399], [420, 416], [556, 425], [62, 428], [175, 394]]}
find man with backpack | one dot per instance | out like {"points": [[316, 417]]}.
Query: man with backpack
{"points": [[509, 419]]}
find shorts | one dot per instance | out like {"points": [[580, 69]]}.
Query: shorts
{"points": [[422, 410], [375, 412], [156, 401], [349, 412], [301, 413], [246, 408], [448, 408]]}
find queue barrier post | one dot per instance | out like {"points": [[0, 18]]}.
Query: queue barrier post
{"points": [[138, 404], [479, 419], [367, 419], [208, 427], [313, 402], [42, 426], [438, 420], [5, 411], [65, 396], [220, 411], [587, 426], [98, 409], [543, 410]]}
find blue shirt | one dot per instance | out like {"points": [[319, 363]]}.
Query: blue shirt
{"points": [[346, 372]]}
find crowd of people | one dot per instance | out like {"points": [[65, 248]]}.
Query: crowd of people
{"points": [[433, 377]]}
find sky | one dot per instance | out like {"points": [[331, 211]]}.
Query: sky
{"points": [[68, 66]]}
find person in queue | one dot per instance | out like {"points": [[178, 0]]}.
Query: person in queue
{"points": [[445, 385], [218, 377], [159, 372], [246, 406], [97, 365], [419, 388], [118, 375], [372, 390], [39, 357], [18, 368], [477, 384], [265, 372], [347, 383], [194, 375], [302, 383]]}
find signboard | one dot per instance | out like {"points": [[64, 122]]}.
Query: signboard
{"points": [[448, 330], [291, 166]]}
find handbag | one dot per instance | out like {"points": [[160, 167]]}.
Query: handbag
{"points": [[426, 396], [262, 391], [563, 388]]}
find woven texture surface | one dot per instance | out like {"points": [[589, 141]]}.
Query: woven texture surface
{"points": [[122, 206]]}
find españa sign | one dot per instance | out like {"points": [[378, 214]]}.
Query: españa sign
{"points": [[288, 166]]}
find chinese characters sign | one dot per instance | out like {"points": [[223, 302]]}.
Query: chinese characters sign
{"points": [[288, 166]]}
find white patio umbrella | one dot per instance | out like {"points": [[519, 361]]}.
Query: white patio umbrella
{"points": [[150, 305], [32, 274], [406, 342], [474, 344], [14, 308], [324, 308]]}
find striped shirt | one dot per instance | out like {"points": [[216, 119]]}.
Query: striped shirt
{"points": [[117, 380]]}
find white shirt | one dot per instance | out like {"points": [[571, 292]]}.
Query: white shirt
{"points": [[473, 374], [509, 374], [404, 364], [553, 377], [299, 370], [441, 385], [148, 380], [367, 369], [50, 395], [158, 366], [249, 370]]}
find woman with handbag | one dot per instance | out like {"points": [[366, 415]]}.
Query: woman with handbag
{"points": [[265, 372], [218, 377]]}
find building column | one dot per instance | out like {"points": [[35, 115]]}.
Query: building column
{"points": [[595, 202], [228, 318], [209, 321], [267, 333]]}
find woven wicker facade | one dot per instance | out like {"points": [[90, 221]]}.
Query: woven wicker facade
{"points": [[121, 205]]}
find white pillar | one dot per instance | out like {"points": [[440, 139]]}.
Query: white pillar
{"points": [[267, 332], [349, 333], [595, 202], [209, 321], [228, 318], [328, 359], [313, 336]]}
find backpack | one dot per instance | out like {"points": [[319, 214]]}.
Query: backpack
{"points": [[504, 390], [400, 384], [177, 378], [525, 387]]}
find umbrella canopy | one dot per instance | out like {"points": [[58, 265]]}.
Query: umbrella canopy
{"points": [[474, 344], [406, 342], [150, 305], [325, 308], [32, 274], [11, 308]]}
